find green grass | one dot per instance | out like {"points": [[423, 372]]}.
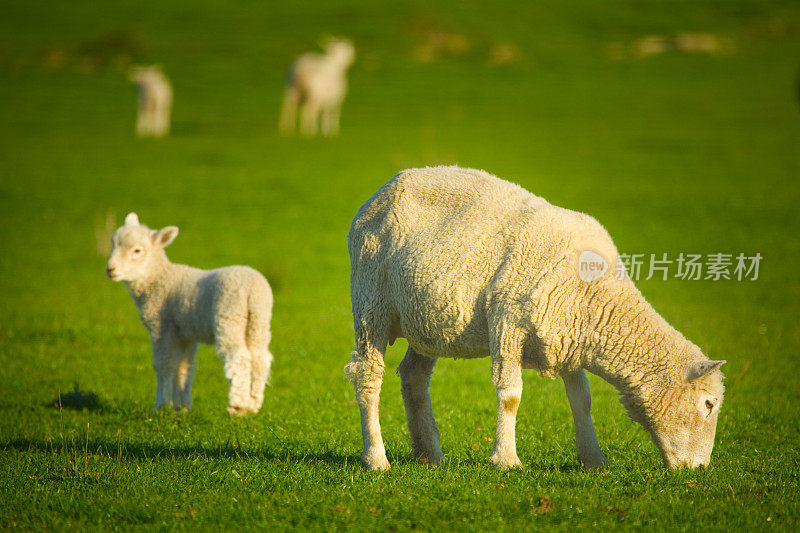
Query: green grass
{"points": [[678, 152]]}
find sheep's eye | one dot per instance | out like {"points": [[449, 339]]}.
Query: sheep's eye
{"points": [[709, 406], [137, 251]]}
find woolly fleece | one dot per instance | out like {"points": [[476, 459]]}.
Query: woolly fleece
{"points": [[463, 264], [181, 306]]}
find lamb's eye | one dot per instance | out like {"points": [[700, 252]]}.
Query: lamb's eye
{"points": [[137, 251], [709, 406]]}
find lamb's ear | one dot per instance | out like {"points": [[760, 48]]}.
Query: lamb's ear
{"points": [[698, 369], [132, 219], [164, 236]]}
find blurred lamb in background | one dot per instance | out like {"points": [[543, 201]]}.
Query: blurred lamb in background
{"points": [[317, 85], [155, 100]]}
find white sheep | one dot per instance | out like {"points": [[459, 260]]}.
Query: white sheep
{"points": [[317, 85], [181, 306], [154, 100], [463, 265]]}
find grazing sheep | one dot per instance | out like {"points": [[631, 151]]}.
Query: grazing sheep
{"points": [[463, 265], [229, 307], [155, 101], [317, 84]]}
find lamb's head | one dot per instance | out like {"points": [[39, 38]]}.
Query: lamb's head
{"points": [[137, 251], [682, 415], [145, 74], [341, 50]]}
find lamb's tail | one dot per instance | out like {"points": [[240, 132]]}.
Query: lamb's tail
{"points": [[258, 333]]}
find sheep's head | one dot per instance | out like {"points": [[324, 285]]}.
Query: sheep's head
{"points": [[136, 250], [342, 50], [682, 420]]}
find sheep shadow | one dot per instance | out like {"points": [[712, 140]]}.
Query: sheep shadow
{"points": [[148, 452]]}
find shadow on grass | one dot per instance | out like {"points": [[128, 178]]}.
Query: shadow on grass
{"points": [[145, 452], [77, 400]]}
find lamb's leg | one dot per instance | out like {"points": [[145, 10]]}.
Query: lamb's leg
{"points": [[325, 122], [184, 376], [507, 377], [261, 366], [365, 371], [141, 119], [162, 119], [329, 121], [580, 401], [415, 380], [164, 363], [309, 118], [262, 363], [291, 99], [152, 118], [335, 111], [237, 364]]}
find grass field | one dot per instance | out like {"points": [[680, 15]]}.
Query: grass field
{"points": [[675, 152]]}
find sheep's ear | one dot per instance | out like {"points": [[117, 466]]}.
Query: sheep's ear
{"points": [[164, 236], [698, 369], [132, 219]]}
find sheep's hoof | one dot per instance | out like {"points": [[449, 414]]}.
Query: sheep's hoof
{"points": [[431, 459], [590, 461], [506, 462], [376, 461]]}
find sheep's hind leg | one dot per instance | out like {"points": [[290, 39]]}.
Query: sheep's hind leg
{"points": [[262, 363], [507, 377], [237, 364], [580, 401], [288, 118], [415, 373], [365, 371]]}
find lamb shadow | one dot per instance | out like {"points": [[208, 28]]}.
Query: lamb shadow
{"points": [[77, 400]]}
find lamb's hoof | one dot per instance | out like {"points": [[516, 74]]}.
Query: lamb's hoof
{"points": [[593, 460], [235, 410], [255, 404], [376, 461], [505, 462]]}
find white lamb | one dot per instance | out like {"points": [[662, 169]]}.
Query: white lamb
{"points": [[463, 265], [154, 101], [181, 306], [317, 85]]}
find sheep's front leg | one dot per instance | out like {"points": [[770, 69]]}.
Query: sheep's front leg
{"points": [[164, 363], [184, 376], [334, 120], [507, 377], [365, 371], [415, 380], [309, 118], [580, 401], [329, 121]]}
